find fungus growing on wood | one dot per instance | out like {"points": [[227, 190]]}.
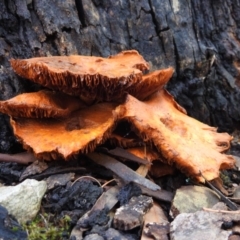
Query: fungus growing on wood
{"points": [[183, 141], [63, 127], [91, 78], [42, 104], [63, 138]]}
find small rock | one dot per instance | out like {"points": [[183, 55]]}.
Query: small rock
{"points": [[237, 163], [157, 231], [203, 225], [234, 237], [236, 193], [190, 199], [23, 201], [93, 236], [131, 215], [115, 234], [9, 227]]}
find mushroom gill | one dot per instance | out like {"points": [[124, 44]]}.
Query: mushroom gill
{"points": [[91, 78], [41, 104], [80, 132]]}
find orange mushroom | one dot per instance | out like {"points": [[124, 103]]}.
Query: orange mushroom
{"points": [[94, 78], [150, 83], [68, 128], [63, 138], [42, 104], [183, 141], [91, 78]]}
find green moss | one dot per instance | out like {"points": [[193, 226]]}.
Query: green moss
{"points": [[45, 227]]}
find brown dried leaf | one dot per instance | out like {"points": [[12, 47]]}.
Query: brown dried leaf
{"points": [[156, 225], [42, 104], [142, 170], [34, 168], [81, 132], [91, 78], [189, 144]]}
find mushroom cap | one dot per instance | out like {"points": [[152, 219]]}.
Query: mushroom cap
{"points": [[63, 138], [151, 83], [183, 141], [91, 78], [41, 104]]}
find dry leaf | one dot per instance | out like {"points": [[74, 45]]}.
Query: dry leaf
{"points": [[156, 225], [142, 170]]}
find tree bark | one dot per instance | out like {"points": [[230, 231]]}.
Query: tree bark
{"points": [[199, 38]]}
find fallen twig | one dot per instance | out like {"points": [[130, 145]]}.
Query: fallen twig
{"points": [[22, 158], [121, 170], [221, 211]]}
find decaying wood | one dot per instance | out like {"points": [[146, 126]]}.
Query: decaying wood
{"points": [[125, 154], [122, 171], [161, 195], [142, 170], [22, 158], [106, 201]]}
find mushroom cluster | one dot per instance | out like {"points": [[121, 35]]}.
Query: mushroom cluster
{"points": [[90, 100]]}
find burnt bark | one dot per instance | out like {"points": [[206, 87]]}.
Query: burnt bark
{"points": [[199, 38]]}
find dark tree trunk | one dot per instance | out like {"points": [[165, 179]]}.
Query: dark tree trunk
{"points": [[199, 38]]}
